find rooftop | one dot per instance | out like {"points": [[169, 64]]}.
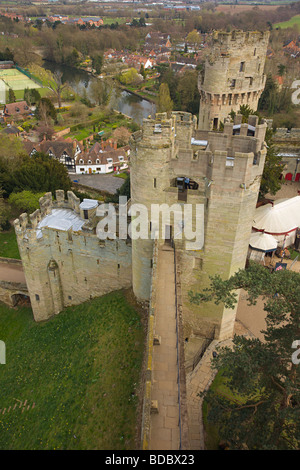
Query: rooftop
{"points": [[60, 219]]}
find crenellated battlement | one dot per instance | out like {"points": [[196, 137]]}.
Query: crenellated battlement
{"points": [[27, 225], [238, 136], [162, 127], [65, 262], [240, 38], [233, 75]]}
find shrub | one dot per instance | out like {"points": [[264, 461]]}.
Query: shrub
{"points": [[25, 201]]}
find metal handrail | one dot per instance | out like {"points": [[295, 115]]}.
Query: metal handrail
{"points": [[177, 345]]}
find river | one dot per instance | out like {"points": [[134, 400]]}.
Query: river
{"points": [[128, 103]]}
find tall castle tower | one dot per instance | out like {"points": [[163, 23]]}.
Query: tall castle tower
{"points": [[233, 75], [224, 172], [153, 149]]}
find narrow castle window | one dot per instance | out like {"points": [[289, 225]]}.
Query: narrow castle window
{"points": [[154, 182], [37, 297], [242, 67]]}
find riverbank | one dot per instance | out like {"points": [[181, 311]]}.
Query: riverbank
{"points": [[130, 103], [142, 95]]}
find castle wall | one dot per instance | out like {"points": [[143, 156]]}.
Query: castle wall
{"points": [[65, 268]]}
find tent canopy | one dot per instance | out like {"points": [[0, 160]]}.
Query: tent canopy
{"points": [[278, 219], [263, 242]]}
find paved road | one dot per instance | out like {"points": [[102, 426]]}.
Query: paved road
{"points": [[11, 273], [107, 183]]}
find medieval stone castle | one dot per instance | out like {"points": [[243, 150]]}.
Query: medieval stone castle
{"points": [[66, 263]]}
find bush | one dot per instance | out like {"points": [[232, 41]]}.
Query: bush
{"points": [[5, 225], [25, 201]]}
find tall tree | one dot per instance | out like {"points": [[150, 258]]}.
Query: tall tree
{"points": [[262, 375], [97, 62], [11, 96], [41, 173], [3, 211], [31, 96], [46, 110], [187, 90], [101, 90], [165, 103], [270, 181]]}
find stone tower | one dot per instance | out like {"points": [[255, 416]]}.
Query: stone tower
{"points": [[153, 149], [233, 75], [224, 171], [64, 261]]}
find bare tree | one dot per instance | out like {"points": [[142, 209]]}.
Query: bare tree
{"points": [[45, 131], [57, 86]]}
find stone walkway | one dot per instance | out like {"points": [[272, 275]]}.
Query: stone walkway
{"points": [[12, 273], [165, 424]]}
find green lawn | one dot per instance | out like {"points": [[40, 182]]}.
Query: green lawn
{"points": [[121, 175], [110, 20], [289, 24], [80, 369], [8, 245]]}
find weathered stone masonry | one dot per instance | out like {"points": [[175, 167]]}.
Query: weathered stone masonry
{"points": [[67, 267], [226, 169], [233, 75]]}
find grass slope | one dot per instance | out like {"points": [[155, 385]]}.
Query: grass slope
{"points": [[80, 369], [289, 24], [8, 245]]}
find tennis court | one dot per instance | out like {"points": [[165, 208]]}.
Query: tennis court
{"points": [[16, 80]]}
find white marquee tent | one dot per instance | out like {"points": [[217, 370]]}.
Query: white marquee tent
{"points": [[280, 219], [263, 242], [260, 244]]}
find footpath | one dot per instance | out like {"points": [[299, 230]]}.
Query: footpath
{"points": [[165, 423]]}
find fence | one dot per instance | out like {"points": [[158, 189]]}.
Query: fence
{"points": [[29, 75]]}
